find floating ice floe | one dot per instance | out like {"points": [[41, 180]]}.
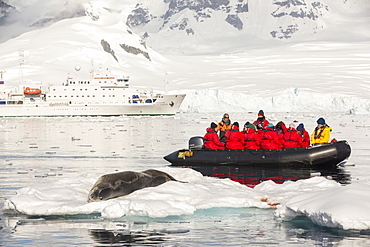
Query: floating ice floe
{"points": [[324, 201]]}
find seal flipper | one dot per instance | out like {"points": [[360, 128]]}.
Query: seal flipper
{"points": [[158, 181]]}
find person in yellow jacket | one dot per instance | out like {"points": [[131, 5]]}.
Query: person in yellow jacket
{"points": [[321, 134], [223, 126]]}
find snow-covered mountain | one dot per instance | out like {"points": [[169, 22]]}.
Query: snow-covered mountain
{"points": [[224, 22], [194, 25], [227, 55]]}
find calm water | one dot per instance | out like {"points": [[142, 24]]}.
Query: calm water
{"points": [[37, 151]]}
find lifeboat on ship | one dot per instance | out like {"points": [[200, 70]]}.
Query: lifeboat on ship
{"points": [[325, 155], [32, 91]]}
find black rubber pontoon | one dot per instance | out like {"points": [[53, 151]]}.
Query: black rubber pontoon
{"points": [[329, 154]]}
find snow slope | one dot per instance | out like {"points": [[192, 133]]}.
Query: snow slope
{"points": [[329, 74]]}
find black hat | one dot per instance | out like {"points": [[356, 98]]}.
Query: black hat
{"points": [[261, 113], [300, 127], [213, 125], [236, 124], [321, 121]]}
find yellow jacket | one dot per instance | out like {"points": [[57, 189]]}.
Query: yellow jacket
{"points": [[321, 135], [222, 126]]}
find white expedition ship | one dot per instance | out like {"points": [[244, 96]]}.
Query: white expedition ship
{"points": [[103, 95]]}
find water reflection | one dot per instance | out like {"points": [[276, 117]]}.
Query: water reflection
{"points": [[304, 228], [140, 238], [251, 176]]}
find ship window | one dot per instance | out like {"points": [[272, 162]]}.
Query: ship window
{"points": [[81, 89], [103, 95], [73, 89], [53, 89]]}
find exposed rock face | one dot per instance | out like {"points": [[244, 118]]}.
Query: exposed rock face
{"points": [[135, 51], [107, 48], [201, 10], [295, 10], [5, 10], [235, 21], [129, 49], [285, 17]]}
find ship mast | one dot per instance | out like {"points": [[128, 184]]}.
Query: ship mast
{"points": [[1, 75], [21, 63], [166, 83]]}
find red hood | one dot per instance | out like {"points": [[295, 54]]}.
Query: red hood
{"points": [[234, 127]]}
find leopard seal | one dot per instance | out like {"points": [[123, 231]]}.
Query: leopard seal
{"points": [[123, 183]]}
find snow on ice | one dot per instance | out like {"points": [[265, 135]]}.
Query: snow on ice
{"points": [[324, 201]]}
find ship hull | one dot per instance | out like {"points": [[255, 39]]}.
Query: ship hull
{"points": [[169, 105]]}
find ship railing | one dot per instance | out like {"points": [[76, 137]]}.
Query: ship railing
{"points": [[59, 104]]}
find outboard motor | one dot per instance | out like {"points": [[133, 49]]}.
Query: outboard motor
{"points": [[196, 143]]}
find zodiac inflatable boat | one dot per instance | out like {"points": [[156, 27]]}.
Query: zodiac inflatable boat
{"points": [[330, 154]]}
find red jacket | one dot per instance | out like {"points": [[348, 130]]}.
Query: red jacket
{"points": [[269, 139], [292, 139], [234, 138], [261, 124], [252, 139], [211, 140], [280, 131], [305, 138]]}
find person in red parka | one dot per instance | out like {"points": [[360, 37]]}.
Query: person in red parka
{"points": [[234, 138], [211, 140], [304, 134], [280, 130], [291, 138], [269, 139], [261, 121], [252, 139]]}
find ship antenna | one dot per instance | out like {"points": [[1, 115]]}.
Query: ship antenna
{"points": [[166, 83], [1, 74], [92, 70], [77, 68], [21, 63]]}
